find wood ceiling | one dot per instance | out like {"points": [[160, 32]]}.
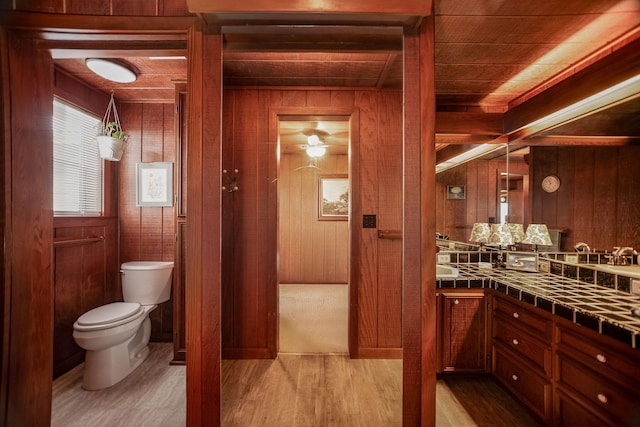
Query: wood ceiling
{"points": [[490, 55]]}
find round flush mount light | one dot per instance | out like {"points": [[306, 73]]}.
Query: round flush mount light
{"points": [[111, 70]]}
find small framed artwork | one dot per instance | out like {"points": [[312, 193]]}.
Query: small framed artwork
{"points": [[333, 197], [155, 184], [455, 192]]}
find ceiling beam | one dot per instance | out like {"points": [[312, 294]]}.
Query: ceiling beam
{"points": [[469, 123], [324, 7], [621, 65]]}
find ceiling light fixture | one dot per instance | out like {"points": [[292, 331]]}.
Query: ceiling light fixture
{"points": [[111, 70], [472, 154], [316, 150]]}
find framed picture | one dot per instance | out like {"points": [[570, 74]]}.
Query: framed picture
{"points": [[455, 192], [155, 184], [333, 197]]}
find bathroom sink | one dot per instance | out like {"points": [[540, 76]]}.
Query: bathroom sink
{"points": [[446, 272]]}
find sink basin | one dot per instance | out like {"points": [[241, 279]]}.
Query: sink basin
{"points": [[446, 272]]}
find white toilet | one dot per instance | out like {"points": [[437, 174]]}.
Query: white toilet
{"points": [[116, 335]]}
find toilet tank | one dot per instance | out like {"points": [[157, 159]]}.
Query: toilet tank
{"points": [[146, 282]]}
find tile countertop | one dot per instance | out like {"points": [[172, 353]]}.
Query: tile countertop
{"points": [[601, 309]]}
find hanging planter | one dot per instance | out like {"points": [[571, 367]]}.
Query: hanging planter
{"points": [[112, 140]]}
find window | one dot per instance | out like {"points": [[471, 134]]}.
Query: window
{"points": [[77, 167]]}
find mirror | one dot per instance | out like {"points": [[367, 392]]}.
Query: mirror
{"points": [[594, 157]]}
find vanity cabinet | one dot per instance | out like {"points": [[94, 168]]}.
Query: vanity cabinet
{"points": [[522, 354], [597, 379], [462, 332]]}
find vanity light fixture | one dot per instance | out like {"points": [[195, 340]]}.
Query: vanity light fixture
{"points": [[480, 233], [111, 70], [472, 154], [616, 94], [537, 234]]}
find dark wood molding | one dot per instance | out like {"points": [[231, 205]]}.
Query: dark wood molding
{"points": [[203, 275]]}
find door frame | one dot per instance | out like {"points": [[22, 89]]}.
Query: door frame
{"points": [[353, 117]]}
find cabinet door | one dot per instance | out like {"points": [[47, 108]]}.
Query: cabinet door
{"points": [[464, 333]]}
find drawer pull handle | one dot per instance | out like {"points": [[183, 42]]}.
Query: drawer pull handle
{"points": [[602, 398], [514, 377], [456, 302], [515, 341], [601, 358], [516, 314]]}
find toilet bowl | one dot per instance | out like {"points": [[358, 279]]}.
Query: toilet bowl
{"points": [[116, 335]]}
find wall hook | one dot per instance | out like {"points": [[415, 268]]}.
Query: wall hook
{"points": [[230, 183]]}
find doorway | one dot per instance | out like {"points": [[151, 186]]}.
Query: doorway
{"points": [[313, 234]]}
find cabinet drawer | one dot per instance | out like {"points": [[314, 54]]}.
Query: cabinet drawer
{"points": [[520, 377], [524, 344], [600, 356], [524, 318], [598, 392], [568, 413]]}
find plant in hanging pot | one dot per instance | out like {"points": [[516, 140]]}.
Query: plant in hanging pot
{"points": [[112, 140]]}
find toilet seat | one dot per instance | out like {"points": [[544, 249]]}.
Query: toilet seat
{"points": [[109, 316]]}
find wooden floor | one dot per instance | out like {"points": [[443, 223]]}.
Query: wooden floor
{"points": [[288, 391]]}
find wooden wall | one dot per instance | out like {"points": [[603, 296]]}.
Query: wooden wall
{"points": [[455, 217], [598, 201], [105, 7], [249, 224], [147, 233], [310, 250], [85, 274]]}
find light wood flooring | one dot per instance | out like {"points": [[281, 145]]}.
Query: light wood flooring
{"points": [[292, 390]]}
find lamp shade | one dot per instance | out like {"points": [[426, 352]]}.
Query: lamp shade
{"points": [[537, 234], [517, 232], [480, 232], [500, 235]]}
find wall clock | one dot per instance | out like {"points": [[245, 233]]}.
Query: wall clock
{"points": [[550, 183]]}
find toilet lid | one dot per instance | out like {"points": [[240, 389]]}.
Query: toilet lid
{"points": [[109, 313]]}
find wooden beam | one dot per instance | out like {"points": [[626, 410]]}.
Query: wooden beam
{"points": [[406, 7], [469, 123], [203, 271], [418, 266], [610, 70], [27, 170]]}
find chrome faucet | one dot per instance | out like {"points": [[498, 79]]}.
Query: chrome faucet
{"points": [[620, 255], [582, 247]]}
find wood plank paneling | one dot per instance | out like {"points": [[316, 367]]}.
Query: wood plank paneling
{"points": [[147, 233], [249, 220], [596, 202], [310, 251]]}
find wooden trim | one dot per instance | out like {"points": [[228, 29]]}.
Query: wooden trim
{"points": [[28, 312], [247, 353], [419, 317], [203, 275], [406, 7], [354, 239], [379, 353]]}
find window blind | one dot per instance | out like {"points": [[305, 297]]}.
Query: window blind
{"points": [[77, 166]]}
